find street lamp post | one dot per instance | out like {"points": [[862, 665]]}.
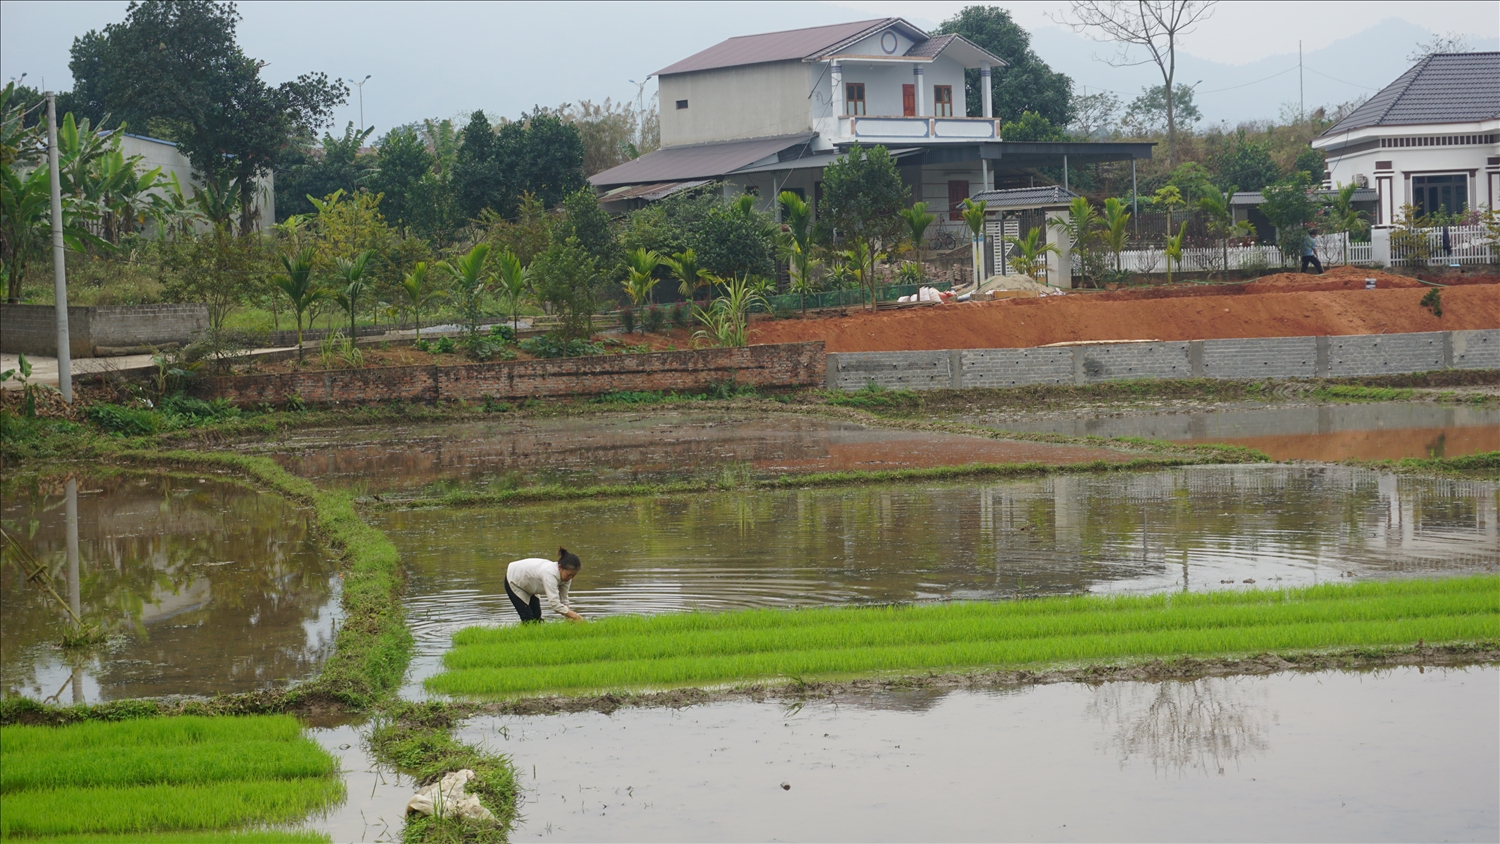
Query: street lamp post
{"points": [[361, 86]]}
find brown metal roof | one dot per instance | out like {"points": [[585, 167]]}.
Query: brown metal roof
{"points": [[650, 192], [775, 46], [696, 161]]}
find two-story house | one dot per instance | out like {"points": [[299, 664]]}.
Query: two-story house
{"points": [[1430, 139], [766, 113]]}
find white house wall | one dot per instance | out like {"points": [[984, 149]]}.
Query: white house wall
{"points": [[883, 84], [164, 154], [1394, 184], [753, 101]]}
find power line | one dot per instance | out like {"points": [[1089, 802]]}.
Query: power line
{"points": [[1336, 79], [1248, 84]]}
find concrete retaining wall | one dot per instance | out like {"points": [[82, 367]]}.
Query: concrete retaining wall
{"points": [[784, 365], [1242, 359], [92, 331]]}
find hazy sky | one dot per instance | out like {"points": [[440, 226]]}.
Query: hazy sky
{"points": [[441, 59]]}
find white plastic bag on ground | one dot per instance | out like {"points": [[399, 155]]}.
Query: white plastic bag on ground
{"points": [[446, 798]]}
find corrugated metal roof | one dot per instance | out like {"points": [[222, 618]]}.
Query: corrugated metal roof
{"points": [[1255, 197], [696, 161], [774, 46], [931, 47], [650, 192], [1442, 88], [1039, 197]]}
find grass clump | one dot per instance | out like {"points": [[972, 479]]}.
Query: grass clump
{"points": [[418, 740], [1353, 392], [1485, 464], [874, 396], [189, 774], [706, 649]]}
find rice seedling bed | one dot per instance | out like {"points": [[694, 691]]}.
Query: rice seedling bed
{"points": [[693, 649], [186, 778]]}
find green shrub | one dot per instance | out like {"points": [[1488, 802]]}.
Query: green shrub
{"points": [[422, 346], [553, 346], [627, 320], [125, 421], [1433, 301], [504, 332], [682, 315], [654, 319], [444, 346]]}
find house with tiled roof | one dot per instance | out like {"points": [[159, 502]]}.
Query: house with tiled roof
{"points": [[765, 113], [1430, 139]]}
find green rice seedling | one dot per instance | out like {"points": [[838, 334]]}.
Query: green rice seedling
{"points": [[156, 732], [164, 808], [158, 765], [699, 649], [246, 836]]}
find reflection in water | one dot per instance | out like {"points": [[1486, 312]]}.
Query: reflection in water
{"points": [[633, 447], [1195, 528], [204, 587], [1374, 431], [1330, 756], [1181, 726]]}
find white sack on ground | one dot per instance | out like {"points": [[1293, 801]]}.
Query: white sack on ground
{"points": [[446, 798]]}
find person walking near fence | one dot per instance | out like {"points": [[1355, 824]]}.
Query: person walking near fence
{"points": [[526, 581], [1310, 254]]}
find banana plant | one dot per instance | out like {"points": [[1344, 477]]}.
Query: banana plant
{"points": [[353, 273], [511, 279], [300, 287]]}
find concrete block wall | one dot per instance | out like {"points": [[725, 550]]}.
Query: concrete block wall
{"points": [[1246, 359], [1241, 359], [784, 365], [32, 329], [1386, 354]]}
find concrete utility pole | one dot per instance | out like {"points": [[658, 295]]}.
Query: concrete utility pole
{"points": [[59, 265], [361, 86]]}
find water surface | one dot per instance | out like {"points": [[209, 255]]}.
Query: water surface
{"points": [[1399, 755], [1333, 432], [631, 447], [1195, 528], [204, 586]]}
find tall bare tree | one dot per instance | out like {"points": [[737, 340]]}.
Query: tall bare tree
{"points": [[1153, 25]]}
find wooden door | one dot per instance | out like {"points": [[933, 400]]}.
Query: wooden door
{"points": [[909, 100], [958, 191]]}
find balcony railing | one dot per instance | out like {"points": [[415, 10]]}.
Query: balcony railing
{"points": [[920, 128]]}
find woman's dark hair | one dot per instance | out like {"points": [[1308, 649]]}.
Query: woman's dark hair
{"points": [[568, 560]]}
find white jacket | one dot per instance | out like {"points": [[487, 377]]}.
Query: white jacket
{"points": [[536, 576]]}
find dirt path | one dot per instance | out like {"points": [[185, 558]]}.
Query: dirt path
{"points": [[1277, 306]]}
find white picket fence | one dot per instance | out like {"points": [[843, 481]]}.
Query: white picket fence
{"points": [[1466, 245]]}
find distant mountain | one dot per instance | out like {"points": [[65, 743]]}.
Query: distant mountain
{"points": [[1359, 64]]}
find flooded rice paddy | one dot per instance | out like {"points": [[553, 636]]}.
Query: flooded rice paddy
{"points": [[1374, 431], [203, 586], [1398, 755], [1194, 528], [632, 447]]}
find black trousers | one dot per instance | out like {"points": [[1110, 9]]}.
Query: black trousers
{"points": [[1311, 259], [528, 612]]}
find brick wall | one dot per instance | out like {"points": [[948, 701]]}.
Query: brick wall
{"points": [[32, 329], [1270, 357], [785, 365]]}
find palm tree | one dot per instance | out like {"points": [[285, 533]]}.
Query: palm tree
{"points": [[298, 285], [1079, 228], [512, 279], [1031, 253], [917, 220], [1114, 227], [1343, 217], [1174, 251], [419, 292], [797, 215], [640, 278], [469, 281], [690, 276], [973, 214], [353, 273]]}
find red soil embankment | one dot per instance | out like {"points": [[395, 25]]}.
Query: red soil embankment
{"points": [[1276, 306]]}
